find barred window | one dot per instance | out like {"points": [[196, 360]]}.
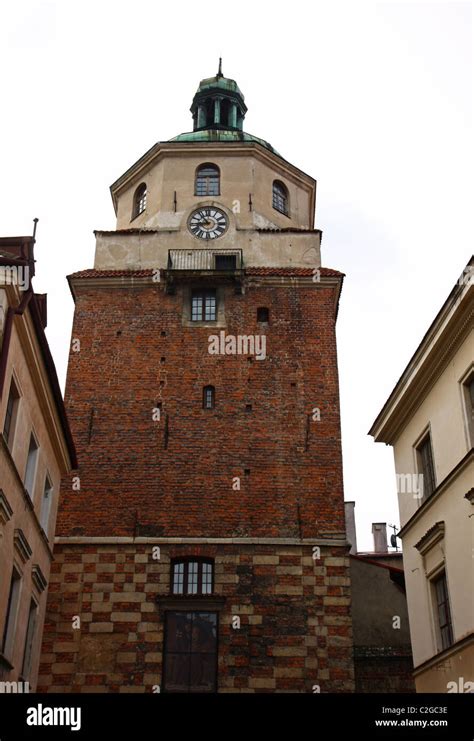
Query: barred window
{"points": [[190, 651], [207, 180], [280, 197], [139, 200], [204, 306], [192, 576], [208, 397]]}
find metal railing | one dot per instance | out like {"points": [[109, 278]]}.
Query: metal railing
{"points": [[225, 260]]}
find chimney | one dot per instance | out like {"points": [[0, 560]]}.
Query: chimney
{"points": [[351, 526], [379, 531]]}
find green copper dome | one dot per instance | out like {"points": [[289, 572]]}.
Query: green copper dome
{"points": [[220, 82], [219, 110]]}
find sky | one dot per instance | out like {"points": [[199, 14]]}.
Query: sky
{"points": [[373, 99]]}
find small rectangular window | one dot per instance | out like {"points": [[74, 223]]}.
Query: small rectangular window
{"points": [[30, 472], [226, 262], [11, 616], [426, 466], [204, 306], [46, 505], [192, 576], [443, 611], [11, 415], [208, 397]]}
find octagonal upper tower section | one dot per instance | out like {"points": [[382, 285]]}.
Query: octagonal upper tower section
{"points": [[259, 187]]}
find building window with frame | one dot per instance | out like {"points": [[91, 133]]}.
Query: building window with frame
{"points": [[207, 182], [445, 627], [192, 576], [139, 200], [263, 314], [208, 397], [46, 504], [425, 465], [11, 414], [204, 306], [29, 640], [280, 199], [468, 394], [190, 651], [12, 612], [30, 471]]}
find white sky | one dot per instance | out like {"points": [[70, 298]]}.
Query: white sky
{"points": [[371, 98]]}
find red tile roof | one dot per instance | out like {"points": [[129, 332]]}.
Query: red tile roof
{"points": [[325, 272], [134, 230], [292, 229], [93, 273]]}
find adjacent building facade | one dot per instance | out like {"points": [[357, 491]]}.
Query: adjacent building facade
{"points": [[429, 420], [383, 659], [36, 450], [203, 547]]}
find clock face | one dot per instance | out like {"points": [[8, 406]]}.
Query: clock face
{"points": [[207, 222]]}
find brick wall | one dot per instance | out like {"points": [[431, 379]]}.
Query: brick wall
{"points": [[295, 629], [391, 672], [174, 477]]}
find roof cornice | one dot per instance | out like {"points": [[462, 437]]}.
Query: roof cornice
{"points": [[448, 330]]}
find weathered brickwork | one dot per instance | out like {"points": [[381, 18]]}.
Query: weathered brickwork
{"points": [[174, 477], [263, 465], [294, 618], [385, 673]]}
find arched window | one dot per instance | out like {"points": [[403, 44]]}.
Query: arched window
{"points": [[192, 576], [280, 197], [207, 180], [208, 397], [139, 200]]}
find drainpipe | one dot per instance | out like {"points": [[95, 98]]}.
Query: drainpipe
{"points": [[7, 333]]}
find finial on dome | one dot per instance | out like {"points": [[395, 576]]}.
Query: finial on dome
{"points": [[219, 72]]}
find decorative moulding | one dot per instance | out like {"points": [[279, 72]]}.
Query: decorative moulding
{"points": [[22, 546]]}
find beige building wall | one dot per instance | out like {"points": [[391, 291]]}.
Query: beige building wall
{"points": [[443, 412], [438, 530], [247, 171], [116, 251], [24, 544]]}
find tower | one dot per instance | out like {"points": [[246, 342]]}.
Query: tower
{"points": [[202, 543]]}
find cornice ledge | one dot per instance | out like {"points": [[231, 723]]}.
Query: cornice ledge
{"points": [[430, 538], [6, 511], [21, 545]]}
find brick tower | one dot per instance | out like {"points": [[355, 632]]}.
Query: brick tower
{"points": [[201, 546]]}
